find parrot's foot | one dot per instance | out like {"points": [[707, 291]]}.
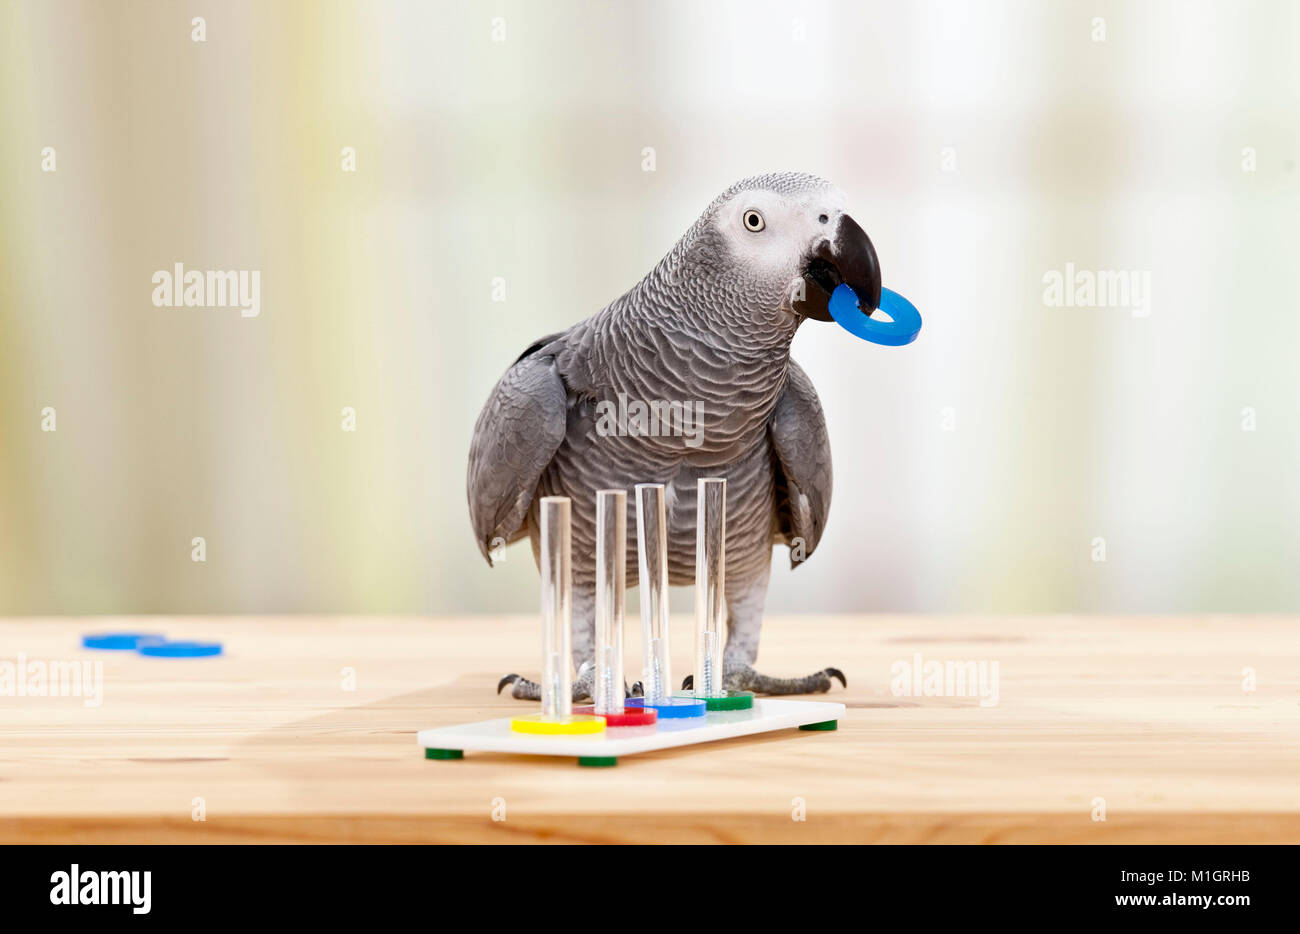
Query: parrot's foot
{"points": [[530, 690], [737, 680]]}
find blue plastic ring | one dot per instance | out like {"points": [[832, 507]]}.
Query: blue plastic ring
{"points": [[904, 327], [181, 649], [671, 708], [119, 641]]}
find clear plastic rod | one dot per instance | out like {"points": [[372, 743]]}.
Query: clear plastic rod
{"points": [[557, 688], [611, 585], [652, 580], [710, 584]]}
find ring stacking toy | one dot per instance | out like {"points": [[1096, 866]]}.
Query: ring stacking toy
{"points": [[904, 327], [616, 725]]}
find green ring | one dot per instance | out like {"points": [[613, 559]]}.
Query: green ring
{"points": [[598, 762], [744, 701], [431, 753], [824, 725]]}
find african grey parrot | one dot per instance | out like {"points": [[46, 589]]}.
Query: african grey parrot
{"points": [[711, 324]]}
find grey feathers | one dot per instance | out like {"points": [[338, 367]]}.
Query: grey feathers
{"points": [[803, 454], [516, 435]]}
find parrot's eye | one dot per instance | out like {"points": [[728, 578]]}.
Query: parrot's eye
{"points": [[754, 221]]}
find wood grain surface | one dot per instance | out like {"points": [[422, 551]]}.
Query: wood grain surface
{"points": [[1153, 719]]}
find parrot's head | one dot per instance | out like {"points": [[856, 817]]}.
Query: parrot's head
{"points": [[781, 244]]}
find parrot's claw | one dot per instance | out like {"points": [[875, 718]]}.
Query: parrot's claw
{"points": [[737, 680], [523, 688], [530, 690]]}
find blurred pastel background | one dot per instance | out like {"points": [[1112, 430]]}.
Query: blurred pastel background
{"points": [[982, 145]]}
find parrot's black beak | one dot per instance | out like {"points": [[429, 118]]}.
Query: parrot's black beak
{"points": [[848, 257]]}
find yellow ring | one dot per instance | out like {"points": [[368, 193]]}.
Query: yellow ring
{"points": [[571, 725]]}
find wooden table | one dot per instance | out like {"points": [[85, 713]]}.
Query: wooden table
{"points": [[268, 744]]}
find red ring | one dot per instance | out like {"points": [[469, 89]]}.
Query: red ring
{"points": [[631, 716]]}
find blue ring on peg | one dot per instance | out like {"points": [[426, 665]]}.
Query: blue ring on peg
{"points": [[671, 708]]}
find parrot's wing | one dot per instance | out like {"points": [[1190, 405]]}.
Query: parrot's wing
{"points": [[803, 466], [517, 433]]}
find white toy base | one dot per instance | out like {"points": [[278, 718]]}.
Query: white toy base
{"points": [[667, 733]]}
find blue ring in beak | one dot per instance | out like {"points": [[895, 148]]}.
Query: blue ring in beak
{"points": [[904, 327]]}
